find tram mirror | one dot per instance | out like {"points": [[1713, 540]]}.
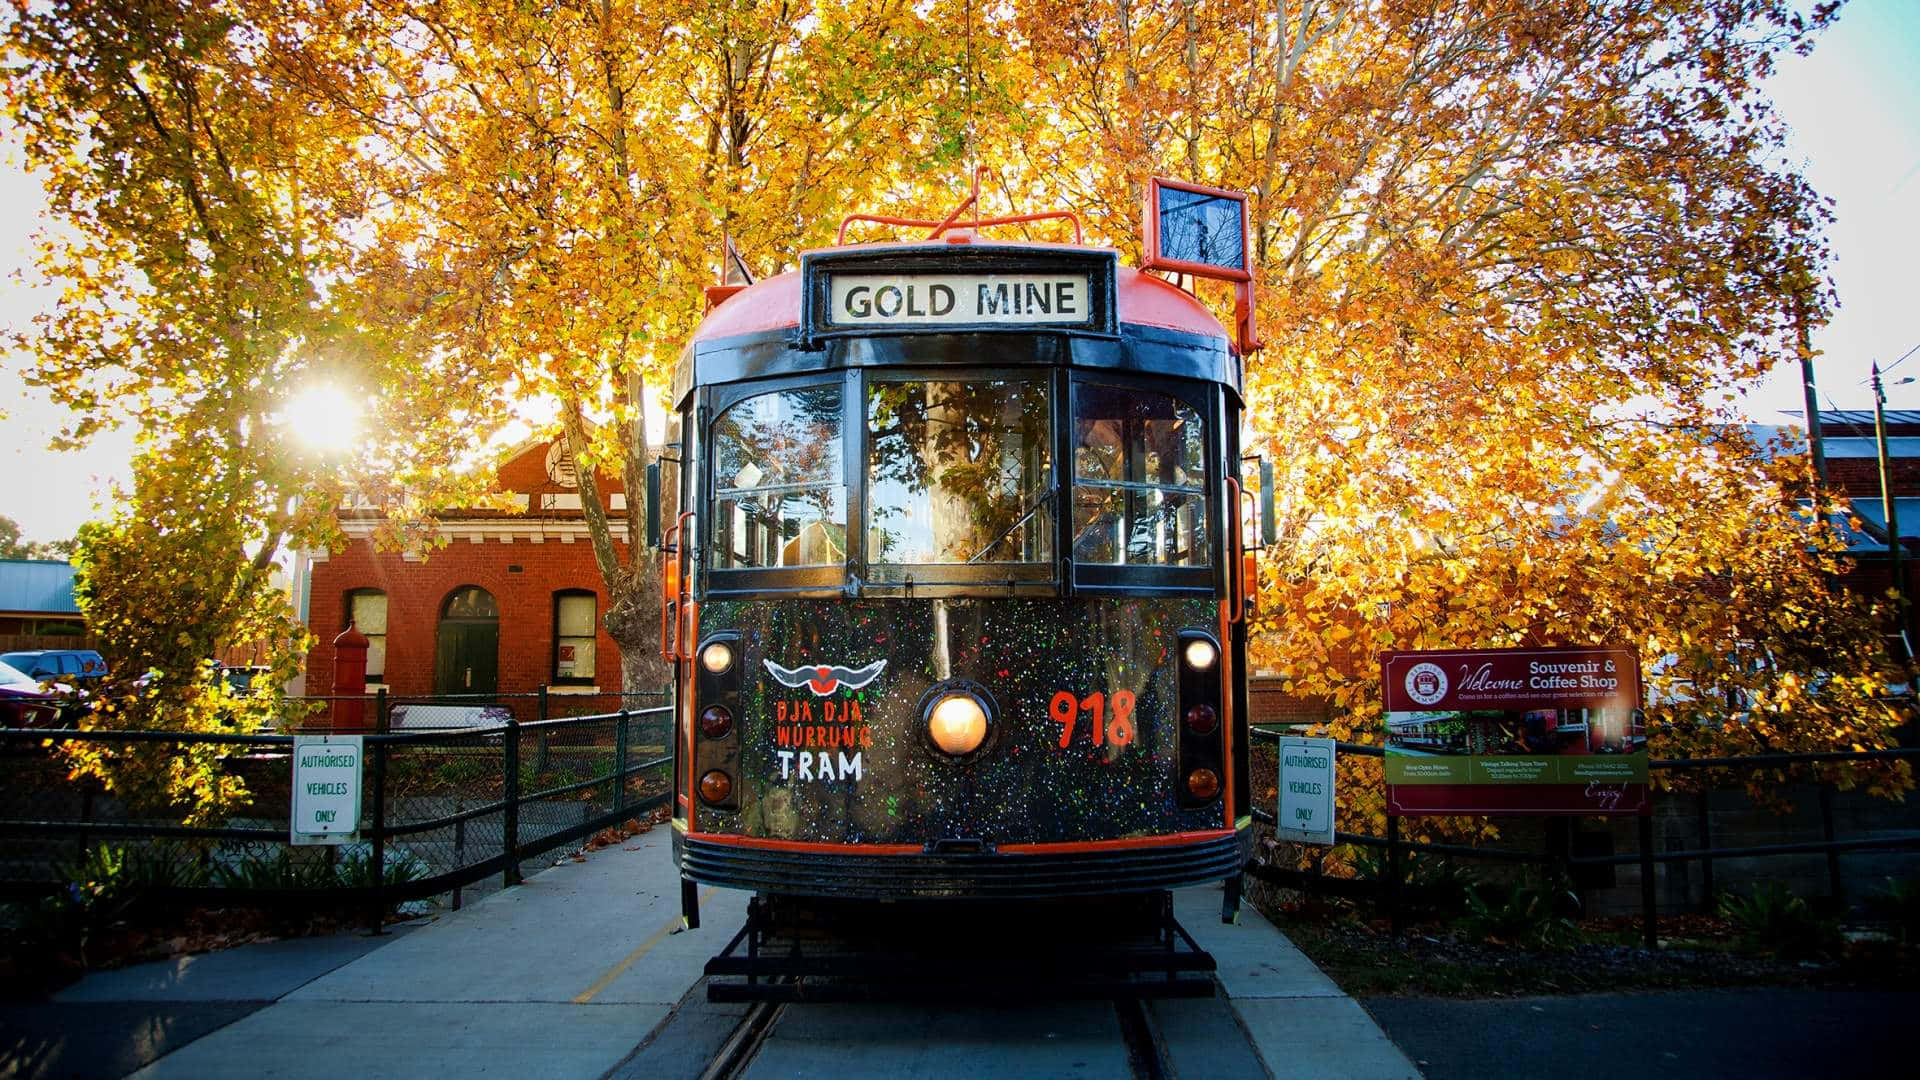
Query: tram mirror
{"points": [[1267, 529], [1192, 229], [653, 504]]}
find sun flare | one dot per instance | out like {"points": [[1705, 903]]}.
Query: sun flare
{"points": [[323, 417]]}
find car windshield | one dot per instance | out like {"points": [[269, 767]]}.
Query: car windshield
{"points": [[14, 679]]}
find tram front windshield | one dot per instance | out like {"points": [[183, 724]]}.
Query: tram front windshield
{"points": [[958, 472]]}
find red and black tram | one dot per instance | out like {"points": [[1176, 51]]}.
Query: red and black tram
{"points": [[955, 595]]}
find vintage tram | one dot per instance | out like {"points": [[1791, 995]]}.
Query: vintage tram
{"points": [[956, 587]]}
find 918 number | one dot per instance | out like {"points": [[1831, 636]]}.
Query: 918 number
{"points": [[1065, 709]]}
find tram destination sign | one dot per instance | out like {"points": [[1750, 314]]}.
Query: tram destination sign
{"points": [[896, 299], [1514, 731], [326, 789]]}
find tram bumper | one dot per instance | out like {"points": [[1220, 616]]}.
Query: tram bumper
{"points": [[850, 873]]}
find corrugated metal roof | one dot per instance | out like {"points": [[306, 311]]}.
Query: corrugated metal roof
{"points": [[1859, 416], [37, 587]]}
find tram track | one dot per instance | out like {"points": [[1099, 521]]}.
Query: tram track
{"points": [[1140, 1036], [734, 1055], [1146, 1050]]}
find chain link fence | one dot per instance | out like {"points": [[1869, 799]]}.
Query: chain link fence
{"points": [[455, 791]]}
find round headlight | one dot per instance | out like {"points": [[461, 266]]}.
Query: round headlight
{"points": [[1201, 654], [715, 786], [957, 724], [717, 657]]}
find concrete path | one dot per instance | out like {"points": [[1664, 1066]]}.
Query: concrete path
{"points": [[584, 972], [561, 976]]}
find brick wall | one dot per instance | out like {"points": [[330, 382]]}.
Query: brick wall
{"points": [[522, 577]]}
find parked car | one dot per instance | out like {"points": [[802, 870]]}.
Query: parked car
{"points": [[23, 703], [58, 665]]}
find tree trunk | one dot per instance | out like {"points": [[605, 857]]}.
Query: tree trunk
{"points": [[633, 620]]}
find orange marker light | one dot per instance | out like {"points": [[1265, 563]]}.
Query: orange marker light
{"points": [[1203, 783], [715, 786]]}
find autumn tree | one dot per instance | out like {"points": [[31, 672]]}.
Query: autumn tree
{"points": [[562, 177], [1517, 263], [208, 215], [13, 547]]}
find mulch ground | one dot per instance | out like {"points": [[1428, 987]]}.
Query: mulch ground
{"points": [[1696, 952]]}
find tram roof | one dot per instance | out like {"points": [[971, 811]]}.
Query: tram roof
{"points": [[1145, 307]]}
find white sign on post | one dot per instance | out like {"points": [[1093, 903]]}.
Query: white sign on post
{"points": [[326, 789], [1306, 790]]}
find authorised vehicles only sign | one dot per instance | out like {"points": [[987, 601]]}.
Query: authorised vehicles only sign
{"points": [[1306, 790], [326, 789]]}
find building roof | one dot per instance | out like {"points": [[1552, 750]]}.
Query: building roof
{"points": [[37, 587]]}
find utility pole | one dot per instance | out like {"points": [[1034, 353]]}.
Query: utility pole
{"points": [[1887, 507], [1814, 441]]}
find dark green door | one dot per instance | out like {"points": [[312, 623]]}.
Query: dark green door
{"points": [[467, 654]]}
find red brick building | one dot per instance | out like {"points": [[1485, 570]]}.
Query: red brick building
{"points": [[511, 601]]}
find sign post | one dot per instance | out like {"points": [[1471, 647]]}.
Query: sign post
{"points": [[1306, 790], [326, 789]]}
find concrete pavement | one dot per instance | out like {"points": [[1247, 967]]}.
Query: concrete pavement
{"points": [[583, 972]]}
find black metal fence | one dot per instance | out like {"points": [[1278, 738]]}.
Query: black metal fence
{"points": [[488, 784], [1646, 857]]}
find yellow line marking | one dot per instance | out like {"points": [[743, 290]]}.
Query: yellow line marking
{"points": [[641, 950]]}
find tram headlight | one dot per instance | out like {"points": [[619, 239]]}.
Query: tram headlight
{"points": [[957, 724], [1200, 654], [717, 657]]}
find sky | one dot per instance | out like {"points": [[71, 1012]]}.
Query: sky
{"points": [[1854, 106]]}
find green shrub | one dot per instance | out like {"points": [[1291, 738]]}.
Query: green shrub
{"points": [[1431, 886], [1787, 925], [355, 869], [1522, 913], [1899, 904], [281, 870]]}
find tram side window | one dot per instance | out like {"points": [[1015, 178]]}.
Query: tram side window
{"points": [[779, 499], [1139, 493], [959, 471]]}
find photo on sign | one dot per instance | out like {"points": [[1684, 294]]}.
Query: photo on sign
{"points": [[1529, 732]]}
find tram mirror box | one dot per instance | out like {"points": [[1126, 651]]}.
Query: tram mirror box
{"points": [[1202, 231], [1305, 814], [1191, 229], [1515, 731], [326, 789]]}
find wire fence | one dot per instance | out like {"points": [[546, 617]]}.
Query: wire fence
{"points": [[1558, 853], [454, 791]]}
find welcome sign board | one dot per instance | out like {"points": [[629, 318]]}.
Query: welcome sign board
{"points": [[1544, 731]]}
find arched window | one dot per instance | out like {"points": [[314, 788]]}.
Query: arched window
{"points": [[574, 625], [467, 649], [366, 611]]}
